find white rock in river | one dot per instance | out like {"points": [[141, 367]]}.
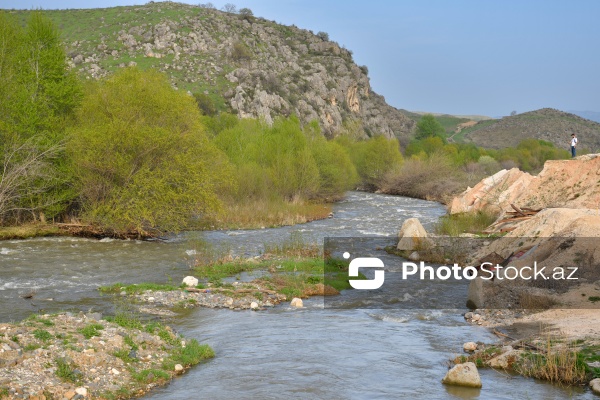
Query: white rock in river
{"points": [[595, 385], [470, 346], [190, 281], [254, 305], [463, 375], [296, 302]]}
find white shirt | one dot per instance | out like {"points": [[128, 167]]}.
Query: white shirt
{"points": [[573, 141]]}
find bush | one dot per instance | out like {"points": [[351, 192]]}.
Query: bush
{"points": [[428, 126], [472, 222], [241, 51], [205, 104], [140, 157], [431, 178], [374, 159], [324, 36]]}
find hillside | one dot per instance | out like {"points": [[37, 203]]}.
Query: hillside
{"points": [[547, 124], [247, 65]]}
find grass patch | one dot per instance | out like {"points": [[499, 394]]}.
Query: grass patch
{"points": [[3, 392], [65, 370], [136, 288], [43, 335], [91, 330], [558, 363], [192, 354], [150, 376], [126, 320], [39, 319], [28, 231], [471, 222], [124, 354], [256, 214]]}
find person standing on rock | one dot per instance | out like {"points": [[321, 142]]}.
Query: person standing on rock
{"points": [[573, 145]]}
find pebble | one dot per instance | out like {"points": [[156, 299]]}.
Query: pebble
{"points": [[254, 305], [115, 371], [178, 367], [81, 391]]}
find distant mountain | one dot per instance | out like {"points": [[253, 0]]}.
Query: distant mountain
{"points": [[244, 64], [591, 115], [546, 124]]}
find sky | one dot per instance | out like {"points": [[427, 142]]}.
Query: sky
{"points": [[461, 57]]}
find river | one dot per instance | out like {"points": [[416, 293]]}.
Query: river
{"points": [[314, 352]]}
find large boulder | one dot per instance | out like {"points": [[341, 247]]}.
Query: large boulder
{"points": [[412, 235], [463, 375], [190, 281]]}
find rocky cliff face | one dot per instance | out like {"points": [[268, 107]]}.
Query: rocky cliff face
{"points": [[254, 67]]}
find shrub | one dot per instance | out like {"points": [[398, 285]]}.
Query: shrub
{"points": [[324, 36], [374, 158], [240, 51], [141, 160], [205, 104]]}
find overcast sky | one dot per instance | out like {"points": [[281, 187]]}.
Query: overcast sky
{"points": [[451, 56]]}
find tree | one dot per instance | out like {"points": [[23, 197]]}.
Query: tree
{"points": [[230, 8], [247, 14], [38, 96], [207, 5], [324, 36], [513, 113], [143, 163], [428, 126]]}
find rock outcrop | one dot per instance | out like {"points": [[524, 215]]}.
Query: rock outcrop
{"points": [[252, 66], [561, 184]]}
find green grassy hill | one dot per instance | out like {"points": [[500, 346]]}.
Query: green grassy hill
{"points": [[246, 65]]}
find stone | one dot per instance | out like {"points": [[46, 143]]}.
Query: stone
{"points": [[412, 235], [254, 305], [70, 394], [463, 375], [81, 391], [297, 303], [505, 360], [470, 346], [468, 315], [595, 385], [190, 281], [115, 371], [414, 256], [178, 368]]}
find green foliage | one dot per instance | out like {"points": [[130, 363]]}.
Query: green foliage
{"points": [[270, 160], [473, 222], [66, 371], [42, 334], [374, 158], [91, 330], [428, 126], [323, 36], [246, 14], [240, 51], [141, 159], [205, 104], [38, 95]]}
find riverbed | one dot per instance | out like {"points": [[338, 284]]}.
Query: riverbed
{"points": [[315, 352]]}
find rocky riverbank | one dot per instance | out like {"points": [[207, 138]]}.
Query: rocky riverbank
{"points": [[78, 356]]}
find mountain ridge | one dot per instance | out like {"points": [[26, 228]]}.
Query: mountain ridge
{"points": [[247, 65]]}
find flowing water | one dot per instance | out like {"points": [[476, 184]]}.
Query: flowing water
{"points": [[314, 352]]}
